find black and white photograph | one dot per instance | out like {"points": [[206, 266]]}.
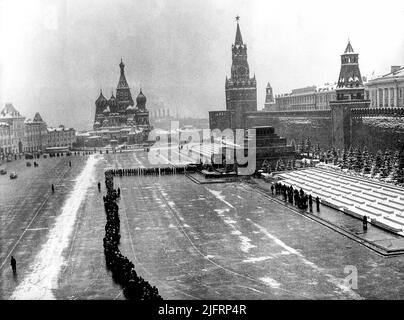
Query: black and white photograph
{"points": [[201, 150]]}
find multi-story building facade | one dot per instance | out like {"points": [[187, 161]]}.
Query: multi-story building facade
{"points": [[18, 135], [61, 137], [6, 145], [387, 91], [36, 134], [15, 120], [307, 98]]}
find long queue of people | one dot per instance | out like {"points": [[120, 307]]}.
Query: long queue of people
{"points": [[123, 270], [151, 171], [294, 196]]}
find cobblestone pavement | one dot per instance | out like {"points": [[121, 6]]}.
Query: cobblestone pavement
{"points": [[218, 241]]}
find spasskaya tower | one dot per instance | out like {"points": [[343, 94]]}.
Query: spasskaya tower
{"points": [[241, 90]]}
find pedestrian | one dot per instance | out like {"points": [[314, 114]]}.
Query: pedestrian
{"points": [[99, 186], [272, 189], [318, 203], [13, 264], [365, 223], [70, 163], [119, 192], [53, 188]]}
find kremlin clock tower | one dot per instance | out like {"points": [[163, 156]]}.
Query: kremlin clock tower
{"points": [[241, 90]]}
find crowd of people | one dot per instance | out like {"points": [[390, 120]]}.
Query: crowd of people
{"points": [[294, 196], [151, 171], [123, 270]]}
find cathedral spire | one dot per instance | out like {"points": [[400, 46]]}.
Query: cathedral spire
{"points": [[239, 39], [122, 79]]}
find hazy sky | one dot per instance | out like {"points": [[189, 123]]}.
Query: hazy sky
{"points": [[56, 55]]}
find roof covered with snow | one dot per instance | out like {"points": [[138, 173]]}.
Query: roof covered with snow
{"points": [[396, 74], [9, 112]]}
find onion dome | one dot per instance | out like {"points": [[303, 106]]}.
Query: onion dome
{"points": [[112, 102], [141, 100], [101, 102]]}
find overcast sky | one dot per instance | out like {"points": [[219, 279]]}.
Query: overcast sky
{"points": [[57, 54]]}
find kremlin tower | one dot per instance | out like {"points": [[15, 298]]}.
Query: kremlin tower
{"points": [[241, 90], [350, 94]]}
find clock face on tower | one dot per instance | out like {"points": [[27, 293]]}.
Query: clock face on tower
{"points": [[241, 71]]}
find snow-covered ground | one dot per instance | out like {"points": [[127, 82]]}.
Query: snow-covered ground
{"points": [[43, 276]]}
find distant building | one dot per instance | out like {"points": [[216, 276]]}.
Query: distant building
{"points": [[387, 90], [61, 137], [18, 135], [307, 98], [15, 120], [118, 120], [36, 134], [383, 92], [6, 145], [120, 111]]}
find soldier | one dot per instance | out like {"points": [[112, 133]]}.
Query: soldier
{"points": [[365, 223], [13, 264], [311, 203]]}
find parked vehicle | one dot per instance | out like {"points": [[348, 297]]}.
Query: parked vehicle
{"points": [[28, 164], [13, 175], [3, 171], [29, 156]]}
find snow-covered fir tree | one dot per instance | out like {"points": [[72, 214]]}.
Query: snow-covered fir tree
{"points": [[358, 161]]}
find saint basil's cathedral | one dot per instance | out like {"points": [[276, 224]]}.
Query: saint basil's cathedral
{"points": [[119, 110]]}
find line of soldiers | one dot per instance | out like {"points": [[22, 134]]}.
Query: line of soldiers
{"points": [[123, 270], [83, 153], [298, 197], [148, 171]]}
